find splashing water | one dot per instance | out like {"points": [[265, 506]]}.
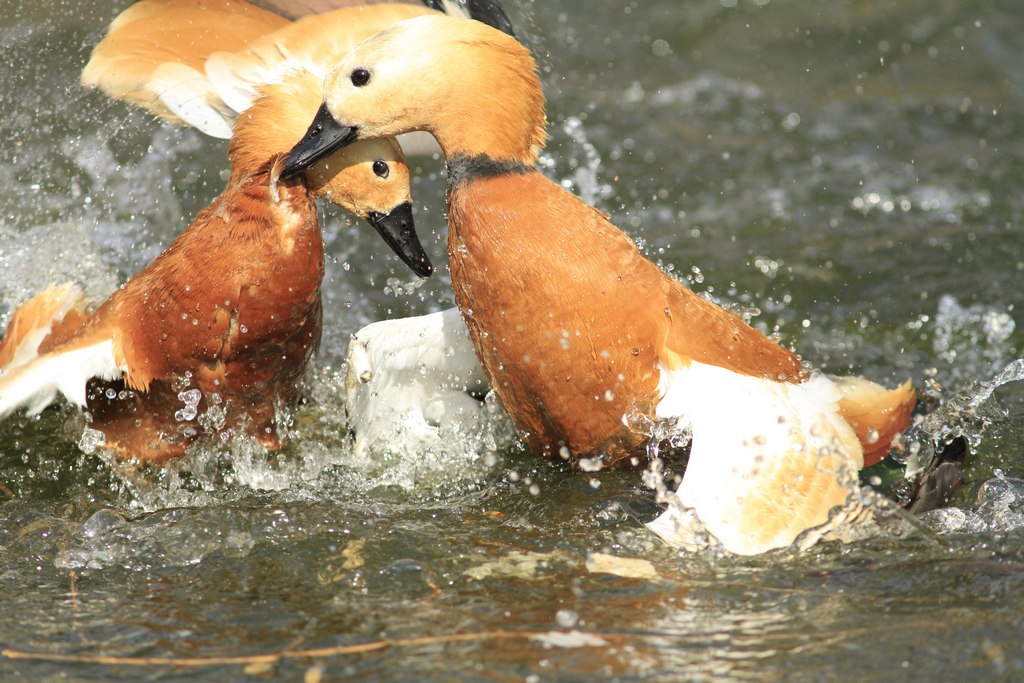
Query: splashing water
{"points": [[998, 507], [191, 398], [423, 461], [1013, 372], [585, 171], [973, 341], [972, 413], [968, 413], [677, 521]]}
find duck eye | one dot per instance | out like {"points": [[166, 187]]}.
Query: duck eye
{"points": [[381, 168], [360, 77]]}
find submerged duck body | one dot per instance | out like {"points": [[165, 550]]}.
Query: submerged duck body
{"points": [[575, 328]]}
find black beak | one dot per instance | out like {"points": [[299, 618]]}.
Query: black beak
{"points": [[324, 136], [491, 13], [399, 232]]}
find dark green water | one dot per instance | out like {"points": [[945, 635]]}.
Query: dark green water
{"points": [[849, 170]]}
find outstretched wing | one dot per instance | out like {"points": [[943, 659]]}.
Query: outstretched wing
{"points": [[126, 64], [412, 379], [201, 63]]}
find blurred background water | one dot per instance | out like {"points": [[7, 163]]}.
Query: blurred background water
{"points": [[845, 172]]}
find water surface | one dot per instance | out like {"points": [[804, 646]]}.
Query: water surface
{"points": [[848, 174]]}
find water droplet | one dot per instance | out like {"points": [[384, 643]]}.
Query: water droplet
{"points": [[190, 398], [91, 440], [567, 618]]}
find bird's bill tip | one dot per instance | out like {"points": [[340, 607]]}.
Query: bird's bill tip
{"points": [[399, 232], [325, 135]]}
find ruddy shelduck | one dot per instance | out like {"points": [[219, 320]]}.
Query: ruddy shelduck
{"points": [[575, 329], [224, 322]]}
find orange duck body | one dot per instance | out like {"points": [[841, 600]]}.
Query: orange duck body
{"points": [[568, 368], [575, 328], [231, 308]]}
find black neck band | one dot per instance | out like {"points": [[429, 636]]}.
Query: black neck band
{"points": [[463, 168]]}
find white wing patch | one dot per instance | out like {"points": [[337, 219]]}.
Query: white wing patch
{"points": [[768, 459], [35, 384], [187, 93], [409, 377], [236, 79]]}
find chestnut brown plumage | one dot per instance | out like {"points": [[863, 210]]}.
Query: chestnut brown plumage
{"points": [[231, 308]]}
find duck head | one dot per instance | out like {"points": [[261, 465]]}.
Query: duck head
{"points": [[473, 87], [369, 179]]}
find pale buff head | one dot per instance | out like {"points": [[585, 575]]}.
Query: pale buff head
{"points": [[368, 177], [474, 88]]}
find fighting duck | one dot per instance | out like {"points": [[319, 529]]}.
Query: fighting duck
{"points": [[223, 323], [575, 329]]}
